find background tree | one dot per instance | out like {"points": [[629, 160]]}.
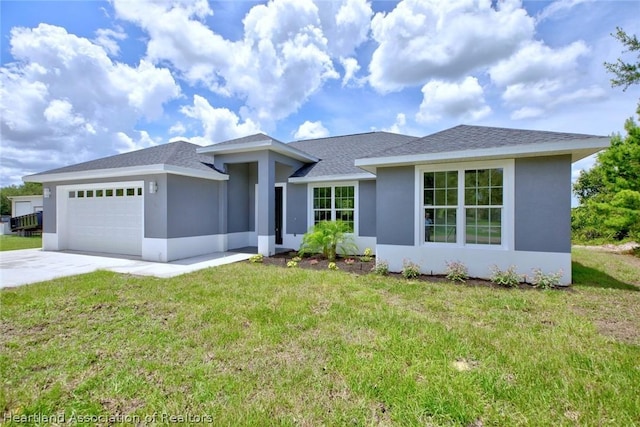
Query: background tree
{"points": [[609, 193], [625, 73], [26, 189]]}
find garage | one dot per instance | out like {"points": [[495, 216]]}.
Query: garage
{"points": [[103, 217]]}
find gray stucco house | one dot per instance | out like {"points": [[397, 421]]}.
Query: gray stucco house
{"points": [[479, 195]]}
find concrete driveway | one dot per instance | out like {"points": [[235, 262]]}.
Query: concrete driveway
{"points": [[35, 265]]}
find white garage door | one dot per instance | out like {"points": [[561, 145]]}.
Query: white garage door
{"points": [[105, 219], [23, 208]]}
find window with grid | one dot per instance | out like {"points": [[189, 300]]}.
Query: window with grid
{"points": [[440, 200], [334, 203], [483, 203]]}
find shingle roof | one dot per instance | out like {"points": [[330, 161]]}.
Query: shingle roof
{"points": [[245, 139], [338, 153], [464, 137], [178, 153]]}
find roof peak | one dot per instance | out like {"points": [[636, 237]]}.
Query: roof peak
{"points": [[349, 135]]}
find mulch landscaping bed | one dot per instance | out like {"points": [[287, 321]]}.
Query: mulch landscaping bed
{"points": [[361, 267]]}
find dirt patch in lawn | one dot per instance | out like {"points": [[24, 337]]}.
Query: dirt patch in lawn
{"points": [[625, 248]]}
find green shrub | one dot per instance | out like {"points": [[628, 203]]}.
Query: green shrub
{"points": [[257, 258], [507, 277], [410, 270], [546, 281], [457, 271], [333, 266], [328, 238], [381, 268], [292, 264], [367, 256]]}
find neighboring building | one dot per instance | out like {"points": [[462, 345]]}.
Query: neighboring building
{"points": [[479, 195], [25, 205]]}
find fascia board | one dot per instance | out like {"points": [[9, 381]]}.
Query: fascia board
{"points": [[578, 149], [125, 172], [332, 178], [276, 146]]}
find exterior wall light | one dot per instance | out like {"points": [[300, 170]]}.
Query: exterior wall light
{"points": [[46, 192], [153, 187]]}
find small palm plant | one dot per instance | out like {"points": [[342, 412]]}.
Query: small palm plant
{"points": [[328, 238]]}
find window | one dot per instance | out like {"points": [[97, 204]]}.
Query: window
{"points": [[440, 206], [483, 206], [334, 203], [463, 200]]}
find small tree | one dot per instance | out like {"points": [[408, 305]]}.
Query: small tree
{"points": [[328, 238], [626, 73]]}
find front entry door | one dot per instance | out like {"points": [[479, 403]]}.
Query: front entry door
{"points": [[279, 218]]}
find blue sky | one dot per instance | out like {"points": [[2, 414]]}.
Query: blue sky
{"points": [[82, 80]]}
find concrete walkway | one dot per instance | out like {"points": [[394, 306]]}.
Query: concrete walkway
{"points": [[35, 265]]}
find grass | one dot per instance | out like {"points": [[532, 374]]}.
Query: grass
{"points": [[12, 243], [250, 344], [606, 270]]}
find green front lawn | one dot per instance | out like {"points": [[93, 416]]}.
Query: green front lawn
{"points": [[248, 344], [12, 243]]}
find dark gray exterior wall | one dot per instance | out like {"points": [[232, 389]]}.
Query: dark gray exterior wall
{"points": [[192, 208], [543, 204], [296, 208], [155, 205], [241, 214], [367, 208], [253, 181], [395, 205], [238, 198], [49, 212]]}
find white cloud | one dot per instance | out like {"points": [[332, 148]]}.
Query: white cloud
{"points": [[351, 67], [67, 97], [527, 113], [398, 126], [538, 79], [348, 27], [311, 130], [423, 39], [463, 100], [219, 124], [558, 7], [107, 38], [177, 128], [284, 57], [125, 143], [536, 61]]}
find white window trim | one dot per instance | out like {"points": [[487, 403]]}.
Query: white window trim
{"points": [[508, 203], [333, 184]]}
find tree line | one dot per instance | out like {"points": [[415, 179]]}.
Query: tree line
{"points": [[609, 193]]}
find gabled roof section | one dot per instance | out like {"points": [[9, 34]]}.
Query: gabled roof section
{"points": [[257, 142], [176, 157], [479, 142], [338, 154], [258, 137]]}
